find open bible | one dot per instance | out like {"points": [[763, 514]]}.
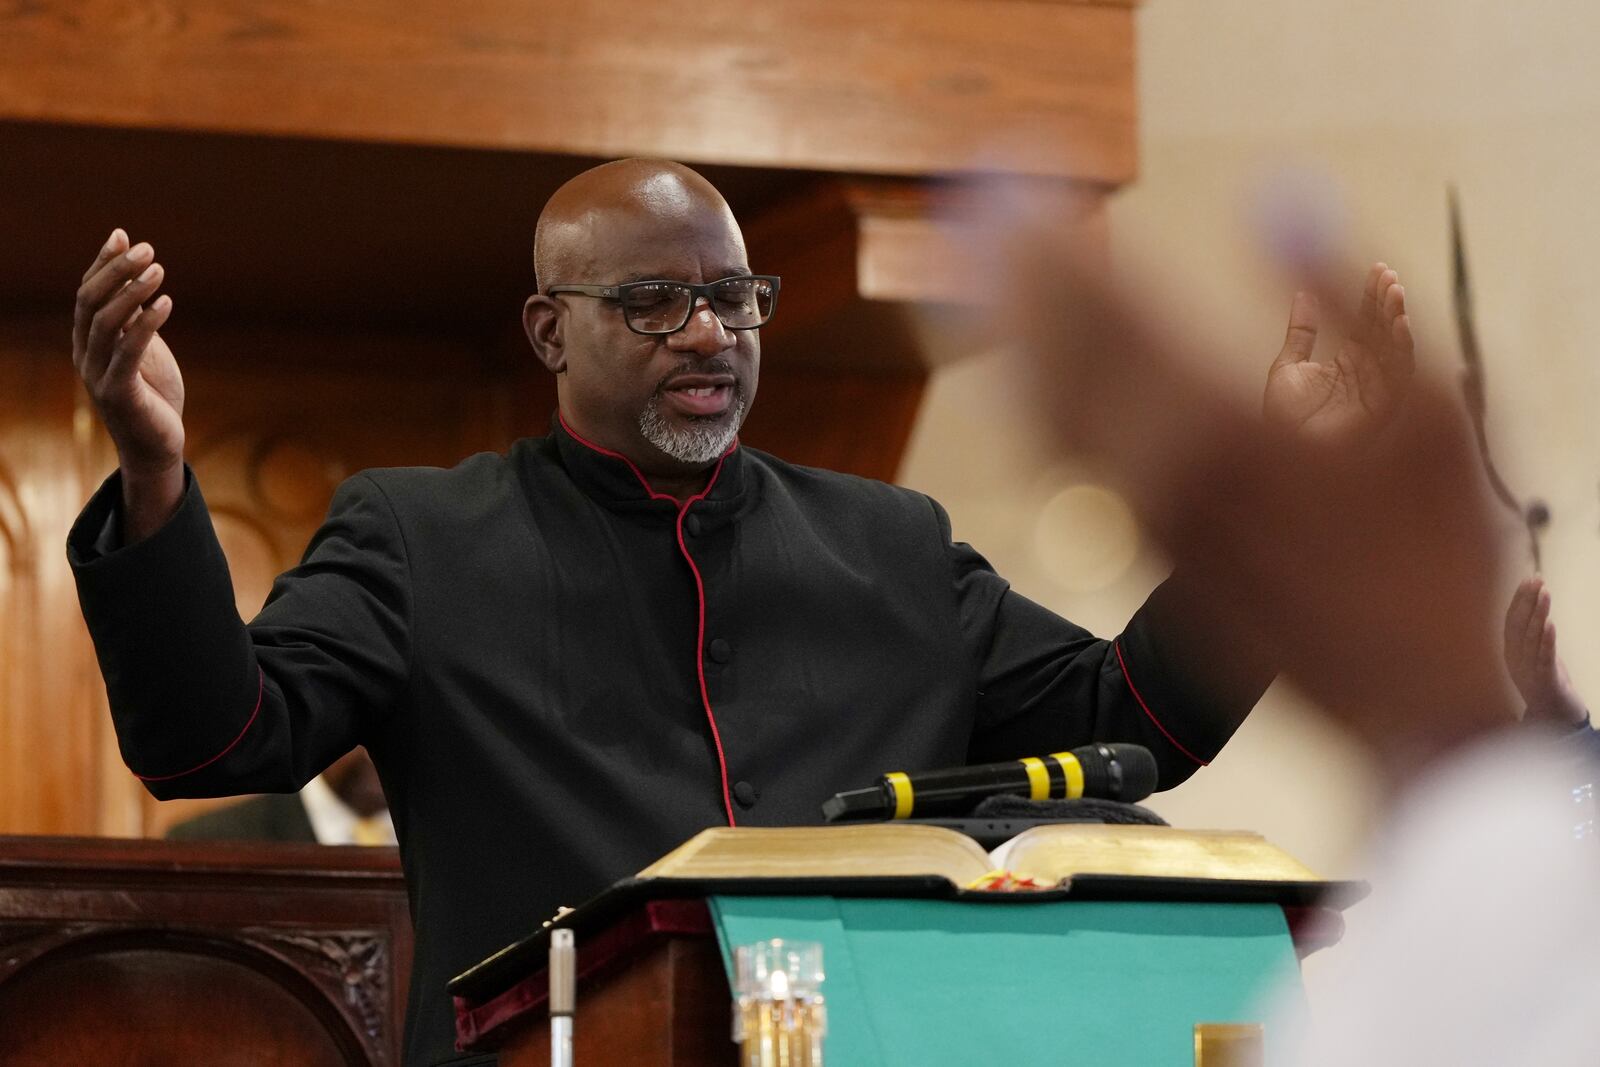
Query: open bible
{"points": [[1049, 855]]}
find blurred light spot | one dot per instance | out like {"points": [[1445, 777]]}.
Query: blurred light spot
{"points": [[1085, 537]]}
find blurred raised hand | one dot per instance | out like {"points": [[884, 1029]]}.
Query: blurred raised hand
{"points": [[1531, 659], [1369, 574], [1354, 396]]}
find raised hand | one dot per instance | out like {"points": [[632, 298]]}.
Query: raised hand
{"points": [[1368, 574], [1532, 662], [132, 377], [1351, 398]]}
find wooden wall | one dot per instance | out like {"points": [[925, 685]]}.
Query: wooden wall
{"points": [[275, 422], [344, 198], [51, 724]]}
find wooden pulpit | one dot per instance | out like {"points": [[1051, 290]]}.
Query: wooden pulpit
{"points": [[154, 953], [920, 967], [653, 989]]}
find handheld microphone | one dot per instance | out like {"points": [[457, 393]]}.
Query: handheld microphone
{"points": [[1104, 770]]}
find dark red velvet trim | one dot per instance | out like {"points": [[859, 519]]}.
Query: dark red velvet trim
{"points": [[699, 589], [700, 643], [479, 1026], [637, 473], [1313, 928]]}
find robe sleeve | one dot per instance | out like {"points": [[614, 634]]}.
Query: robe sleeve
{"points": [[204, 705], [1045, 684]]}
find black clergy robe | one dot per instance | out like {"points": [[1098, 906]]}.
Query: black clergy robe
{"points": [[561, 675]]}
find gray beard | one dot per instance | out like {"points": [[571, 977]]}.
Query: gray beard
{"points": [[702, 441]]}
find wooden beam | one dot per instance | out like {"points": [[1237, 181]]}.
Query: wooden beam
{"points": [[886, 87], [907, 250], [872, 269]]}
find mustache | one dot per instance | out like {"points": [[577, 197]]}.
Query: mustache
{"points": [[715, 365]]}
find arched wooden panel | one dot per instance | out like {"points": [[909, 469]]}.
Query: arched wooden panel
{"points": [[151, 998], [154, 952]]}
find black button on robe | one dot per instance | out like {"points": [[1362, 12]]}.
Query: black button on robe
{"points": [[515, 641]]}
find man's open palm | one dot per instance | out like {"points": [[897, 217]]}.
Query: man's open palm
{"points": [[1353, 396]]}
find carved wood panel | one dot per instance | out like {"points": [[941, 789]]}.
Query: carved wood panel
{"points": [[177, 994], [153, 953]]}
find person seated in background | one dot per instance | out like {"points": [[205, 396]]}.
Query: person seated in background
{"points": [[344, 805]]}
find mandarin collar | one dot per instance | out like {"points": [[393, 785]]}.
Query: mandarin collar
{"points": [[610, 478]]}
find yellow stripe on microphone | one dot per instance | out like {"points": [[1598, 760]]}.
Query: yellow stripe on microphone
{"points": [[1073, 771], [1038, 776], [901, 784]]}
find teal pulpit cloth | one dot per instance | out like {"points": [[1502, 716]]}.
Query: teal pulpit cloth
{"points": [[925, 983]]}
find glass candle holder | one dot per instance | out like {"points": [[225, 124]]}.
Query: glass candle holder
{"points": [[779, 1016]]}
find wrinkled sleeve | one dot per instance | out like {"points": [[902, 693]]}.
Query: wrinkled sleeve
{"points": [[1045, 684], [204, 705]]}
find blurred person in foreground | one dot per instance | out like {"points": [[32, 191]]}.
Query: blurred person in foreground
{"points": [[344, 805], [1372, 572], [568, 659]]}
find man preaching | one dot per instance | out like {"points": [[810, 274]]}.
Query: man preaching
{"points": [[568, 659]]}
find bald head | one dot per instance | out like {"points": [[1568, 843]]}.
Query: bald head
{"points": [[576, 233], [670, 403]]}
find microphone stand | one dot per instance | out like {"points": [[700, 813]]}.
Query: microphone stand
{"points": [[563, 996]]}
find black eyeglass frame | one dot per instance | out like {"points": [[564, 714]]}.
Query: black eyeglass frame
{"points": [[698, 292]]}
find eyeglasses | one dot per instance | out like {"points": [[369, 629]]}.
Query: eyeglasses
{"points": [[657, 307]]}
